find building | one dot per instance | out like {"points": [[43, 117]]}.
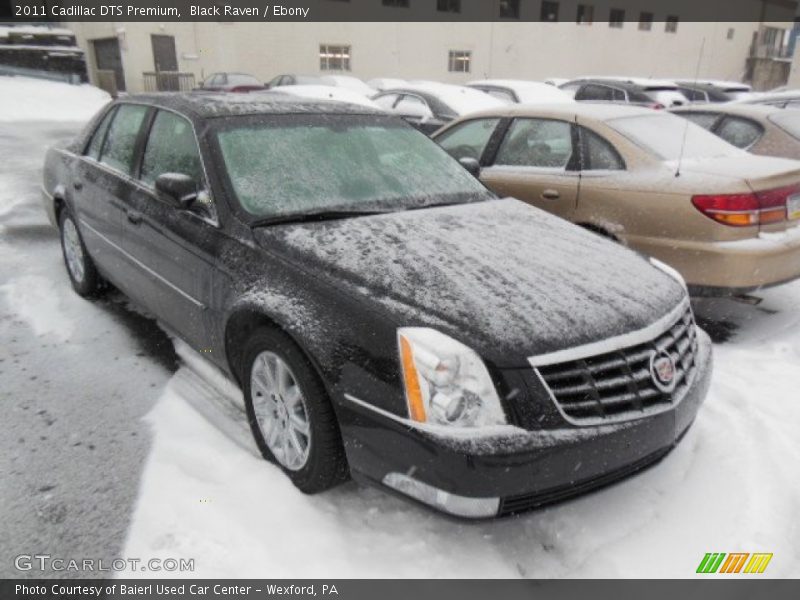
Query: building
{"points": [[572, 39]]}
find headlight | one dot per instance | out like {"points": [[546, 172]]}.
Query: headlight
{"points": [[446, 382]]}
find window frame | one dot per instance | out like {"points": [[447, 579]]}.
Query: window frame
{"points": [[109, 113], [503, 130], [452, 61], [137, 145], [584, 158]]}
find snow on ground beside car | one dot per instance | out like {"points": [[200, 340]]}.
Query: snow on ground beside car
{"points": [[731, 485], [29, 99]]}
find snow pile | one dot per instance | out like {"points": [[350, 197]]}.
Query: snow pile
{"points": [[29, 99]]}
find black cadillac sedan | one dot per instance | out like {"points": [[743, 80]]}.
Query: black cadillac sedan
{"points": [[385, 315]]}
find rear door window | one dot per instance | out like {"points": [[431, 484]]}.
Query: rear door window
{"points": [[93, 151], [544, 143], [469, 139], [599, 154], [120, 145], [742, 133]]}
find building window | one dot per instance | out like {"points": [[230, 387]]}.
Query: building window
{"points": [[645, 21], [549, 11], [671, 25], [334, 58], [509, 9], [453, 6], [459, 61], [585, 14], [731, 31], [616, 18], [396, 3]]}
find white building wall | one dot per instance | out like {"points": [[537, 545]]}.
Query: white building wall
{"points": [[420, 50]]}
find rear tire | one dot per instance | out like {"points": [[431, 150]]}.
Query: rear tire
{"points": [[81, 270], [290, 414]]}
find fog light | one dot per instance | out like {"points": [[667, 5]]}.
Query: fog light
{"points": [[461, 506]]}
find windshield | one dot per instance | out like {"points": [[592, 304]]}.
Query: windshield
{"points": [[289, 164], [789, 121], [664, 135]]}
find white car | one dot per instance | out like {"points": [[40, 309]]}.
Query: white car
{"points": [[385, 83], [519, 91], [327, 92], [350, 83]]}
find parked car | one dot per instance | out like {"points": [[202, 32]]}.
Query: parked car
{"points": [[652, 93], [350, 83], [428, 106], [519, 91], [384, 83], [327, 92], [759, 129], [725, 219], [291, 79], [231, 82], [384, 313], [713, 91], [782, 99]]}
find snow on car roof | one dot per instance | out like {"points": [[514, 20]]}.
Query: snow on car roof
{"points": [[640, 81], [528, 91], [599, 111], [202, 105], [460, 98], [327, 92]]}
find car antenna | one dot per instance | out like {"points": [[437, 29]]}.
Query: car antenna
{"points": [[686, 126]]}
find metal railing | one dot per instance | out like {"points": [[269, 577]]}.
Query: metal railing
{"points": [[168, 81]]}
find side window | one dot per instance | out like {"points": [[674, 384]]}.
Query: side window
{"points": [[618, 95], [412, 106], [171, 148], [536, 143], [503, 95], [386, 101], [121, 139], [599, 153], [742, 133], [693, 95], [705, 120], [469, 139], [93, 151], [595, 92]]}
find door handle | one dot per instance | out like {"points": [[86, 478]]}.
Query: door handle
{"points": [[551, 195], [134, 217], [77, 185]]}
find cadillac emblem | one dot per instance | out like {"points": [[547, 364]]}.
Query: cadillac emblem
{"points": [[662, 371]]}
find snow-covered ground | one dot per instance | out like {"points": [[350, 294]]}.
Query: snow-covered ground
{"points": [[732, 485], [29, 99]]}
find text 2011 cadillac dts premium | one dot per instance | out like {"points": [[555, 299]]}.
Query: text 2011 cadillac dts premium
{"points": [[386, 316]]}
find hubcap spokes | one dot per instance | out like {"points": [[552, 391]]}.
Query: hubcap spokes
{"points": [[73, 251], [280, 410]]}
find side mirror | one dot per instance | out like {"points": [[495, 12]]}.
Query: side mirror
{"points": [[471, 165], [176, 189]]}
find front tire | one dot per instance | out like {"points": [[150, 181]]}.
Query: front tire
{"points": [[289, 412], [81, 269]]}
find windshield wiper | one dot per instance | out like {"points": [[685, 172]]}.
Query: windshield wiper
{"points": [[322, 215]]}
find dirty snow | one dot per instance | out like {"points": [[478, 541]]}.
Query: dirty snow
{"points": [[29, 99]]}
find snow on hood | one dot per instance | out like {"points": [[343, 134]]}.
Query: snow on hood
{"points": [[505, 278]]}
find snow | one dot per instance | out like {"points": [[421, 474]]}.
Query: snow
{"points": [[29, 99], [327, 92], [351, 83], [529, 92], [385, 83], [461, 99]]}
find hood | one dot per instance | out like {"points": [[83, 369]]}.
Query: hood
{"points": [[507, 279]]}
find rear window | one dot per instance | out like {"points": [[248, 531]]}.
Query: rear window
{"points": [[789, 121], [664, 135]]}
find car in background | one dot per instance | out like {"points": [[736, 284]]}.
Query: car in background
{"points": [[428, 106], [725, 219], [386, 316], [556, 81], [348, 82], [385, 83], [712, 91], [651, 93], [289, 79], [327, 92], [782, 99], [231, 82], [521, 91], [760, 129]]}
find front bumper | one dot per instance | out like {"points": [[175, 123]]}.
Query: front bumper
{"points": [[518, 469], [729, 267]]}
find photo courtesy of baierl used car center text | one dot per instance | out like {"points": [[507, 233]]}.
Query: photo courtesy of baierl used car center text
{"points": [[400, 299]]}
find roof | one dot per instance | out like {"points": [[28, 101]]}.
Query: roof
{"points": [[753, 111], [639, 82], [725, 86], [598, 111], [510, 83], [204, 105]]}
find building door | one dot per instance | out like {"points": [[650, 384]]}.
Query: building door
{"points": [[165, 61], [108, 63]]}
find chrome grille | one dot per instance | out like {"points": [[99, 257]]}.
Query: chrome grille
{"points": [[618, 385]]}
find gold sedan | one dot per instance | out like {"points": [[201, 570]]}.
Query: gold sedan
{"points": [[725, 219]]}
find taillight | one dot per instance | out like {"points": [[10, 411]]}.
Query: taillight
{"points": [[657, 106], [744, 210]]}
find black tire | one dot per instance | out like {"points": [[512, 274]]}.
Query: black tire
{"points": [[326, 465], [90, 284]]}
